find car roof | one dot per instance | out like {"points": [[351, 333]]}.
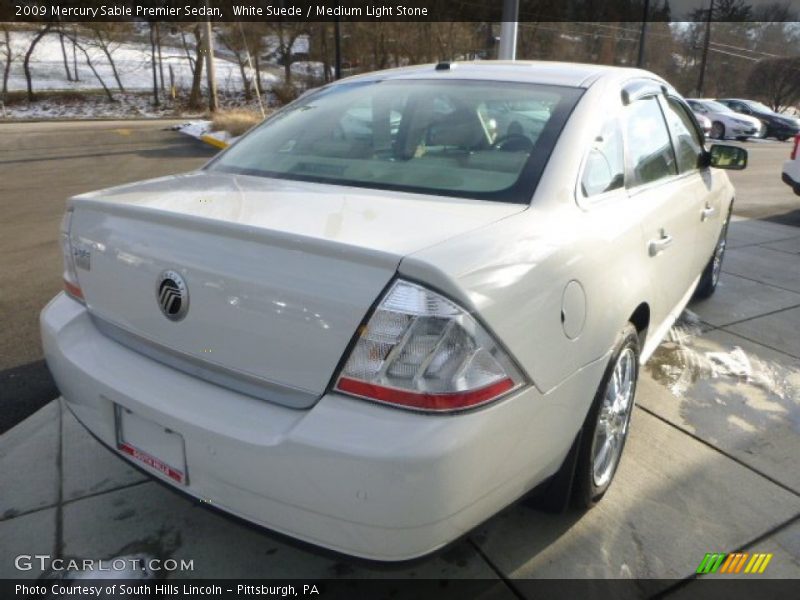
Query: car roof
{"points": [[541, 72]]}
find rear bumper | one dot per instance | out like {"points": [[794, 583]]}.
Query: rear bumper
{"points": [[791, 175], [348, 475]]}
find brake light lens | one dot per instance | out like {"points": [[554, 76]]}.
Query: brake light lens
{"points": [[420, 350], [71, 285], [793, 155]]}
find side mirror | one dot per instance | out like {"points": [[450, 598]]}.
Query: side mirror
{"points": [[723, 156]]}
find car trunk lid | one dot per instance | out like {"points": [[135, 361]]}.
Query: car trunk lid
{"points": [[277, 275]]}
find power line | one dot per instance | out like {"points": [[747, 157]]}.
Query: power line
{"points": [[716, 47]]}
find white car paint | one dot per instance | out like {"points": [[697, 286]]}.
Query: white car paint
{"points": [[735, 124], [281, 275], [791, 168], [704, 122]]}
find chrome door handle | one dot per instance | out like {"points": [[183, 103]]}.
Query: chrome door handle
{"points": [[708, 212], [656, 247]]}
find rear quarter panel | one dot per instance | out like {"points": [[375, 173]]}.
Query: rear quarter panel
{"points": [[513, 275]]}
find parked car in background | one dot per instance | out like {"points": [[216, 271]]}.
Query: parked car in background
{"points": [[778, 126], [724, 121], [375, 321], [705, 123], [791, 168]]}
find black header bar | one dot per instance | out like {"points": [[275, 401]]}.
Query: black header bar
{"points": [[389, 10]]}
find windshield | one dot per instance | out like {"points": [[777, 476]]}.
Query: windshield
{"points": [[475, 139], [713, 106], [757, 106]]}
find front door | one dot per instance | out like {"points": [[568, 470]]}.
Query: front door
{"points": [[669, 229]]}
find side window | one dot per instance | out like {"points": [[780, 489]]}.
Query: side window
{"points": [[688, 143], [605, 164], [649, 148]]}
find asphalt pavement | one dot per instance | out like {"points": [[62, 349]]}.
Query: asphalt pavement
{"points": [[41, 165], [760, 193]]}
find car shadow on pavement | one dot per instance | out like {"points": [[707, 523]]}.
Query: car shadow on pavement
{"points": [[791, 218], [23, 391], [188, 148]]}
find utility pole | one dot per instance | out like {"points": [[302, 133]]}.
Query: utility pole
{"points": [[642, 36], [701, 78], [337, 49], [508, 31], [208, 42]]}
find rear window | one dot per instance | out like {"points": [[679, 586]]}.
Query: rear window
{"points": [[477, 139]]}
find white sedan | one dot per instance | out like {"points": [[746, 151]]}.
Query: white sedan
{"points": [[725, 123], [373, 337], [705, 123]]}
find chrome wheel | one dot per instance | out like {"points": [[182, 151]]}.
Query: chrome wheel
{"points": [[613, 419], [716, 264]]}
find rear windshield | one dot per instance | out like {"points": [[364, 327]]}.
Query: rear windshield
{"points": [[477, 139]]}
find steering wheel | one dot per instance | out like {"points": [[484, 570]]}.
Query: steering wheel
{"points": [[513, 142]]}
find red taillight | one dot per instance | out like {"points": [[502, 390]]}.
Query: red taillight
{"points": [[446, 401], [71, 284], [793, 155], [422, 351], [73, 290]]}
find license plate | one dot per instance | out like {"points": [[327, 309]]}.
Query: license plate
{"points": [[149, 443]]}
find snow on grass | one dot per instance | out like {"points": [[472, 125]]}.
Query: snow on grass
{"points": [[94, 105], [196, 129], [88, 106], [132, 60]]}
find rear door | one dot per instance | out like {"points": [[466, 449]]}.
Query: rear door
{"points": [[670, 219], [696, 182]]}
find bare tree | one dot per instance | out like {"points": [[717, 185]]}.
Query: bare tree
{"points": [[153, 50], [160, 60], [320, 47], [286, 35], [106, 36], [26, 63], [64, 54], [233, 40], [75, 54], [776, 81], [90, 64], [197, 71], [8, 57]]}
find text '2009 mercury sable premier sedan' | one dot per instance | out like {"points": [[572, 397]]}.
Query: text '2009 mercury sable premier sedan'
{"points": [[400, 303]]}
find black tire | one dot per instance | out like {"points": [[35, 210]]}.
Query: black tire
{"points": [[742, 138], [717, 130], [587, 489], [710, 277], [783, 138]]}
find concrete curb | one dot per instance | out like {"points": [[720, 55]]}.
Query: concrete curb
{"points": [[212, 141]]}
